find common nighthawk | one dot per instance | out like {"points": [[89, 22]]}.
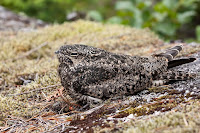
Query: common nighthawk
{"points": [[90, 75]]}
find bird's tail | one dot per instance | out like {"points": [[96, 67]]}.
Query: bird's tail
{"points": [[169, 54], [178, 75], [171, 76]]}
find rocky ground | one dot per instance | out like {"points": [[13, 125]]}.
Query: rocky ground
{"points": [[29, 82], [15, 22]]}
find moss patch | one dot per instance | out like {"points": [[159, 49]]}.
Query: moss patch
{"points": [[185, 118]]}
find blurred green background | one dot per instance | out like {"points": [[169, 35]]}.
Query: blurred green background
{"points": [[170, 19]]}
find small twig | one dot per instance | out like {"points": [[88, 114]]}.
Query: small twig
{"points": [[8, 128], [31, 51], [38, 114], [185, 121], [58, 125], [92, 110], [51, 86], [68, 113]]}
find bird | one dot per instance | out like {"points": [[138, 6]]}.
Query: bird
{"points": [[92, 75]]}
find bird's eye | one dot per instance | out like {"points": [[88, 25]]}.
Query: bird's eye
{"points": [[92, 52], [74, 54]]}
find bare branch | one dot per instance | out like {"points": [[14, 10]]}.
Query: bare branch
{"points": [[31, 51], [51, 86]]}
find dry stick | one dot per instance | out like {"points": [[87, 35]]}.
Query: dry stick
{"points": [[6, 129], [92, 110], [31, 51], [51, 86], [38, 114], [56, 126]]}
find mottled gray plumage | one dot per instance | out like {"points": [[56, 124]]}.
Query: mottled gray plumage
{"points": [[90, 75]]}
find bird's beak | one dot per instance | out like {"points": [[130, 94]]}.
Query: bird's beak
{"points": [[57, 52]]}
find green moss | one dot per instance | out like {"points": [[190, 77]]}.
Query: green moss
{"points": [[159, 89], [147, 109], [184, 119]]}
